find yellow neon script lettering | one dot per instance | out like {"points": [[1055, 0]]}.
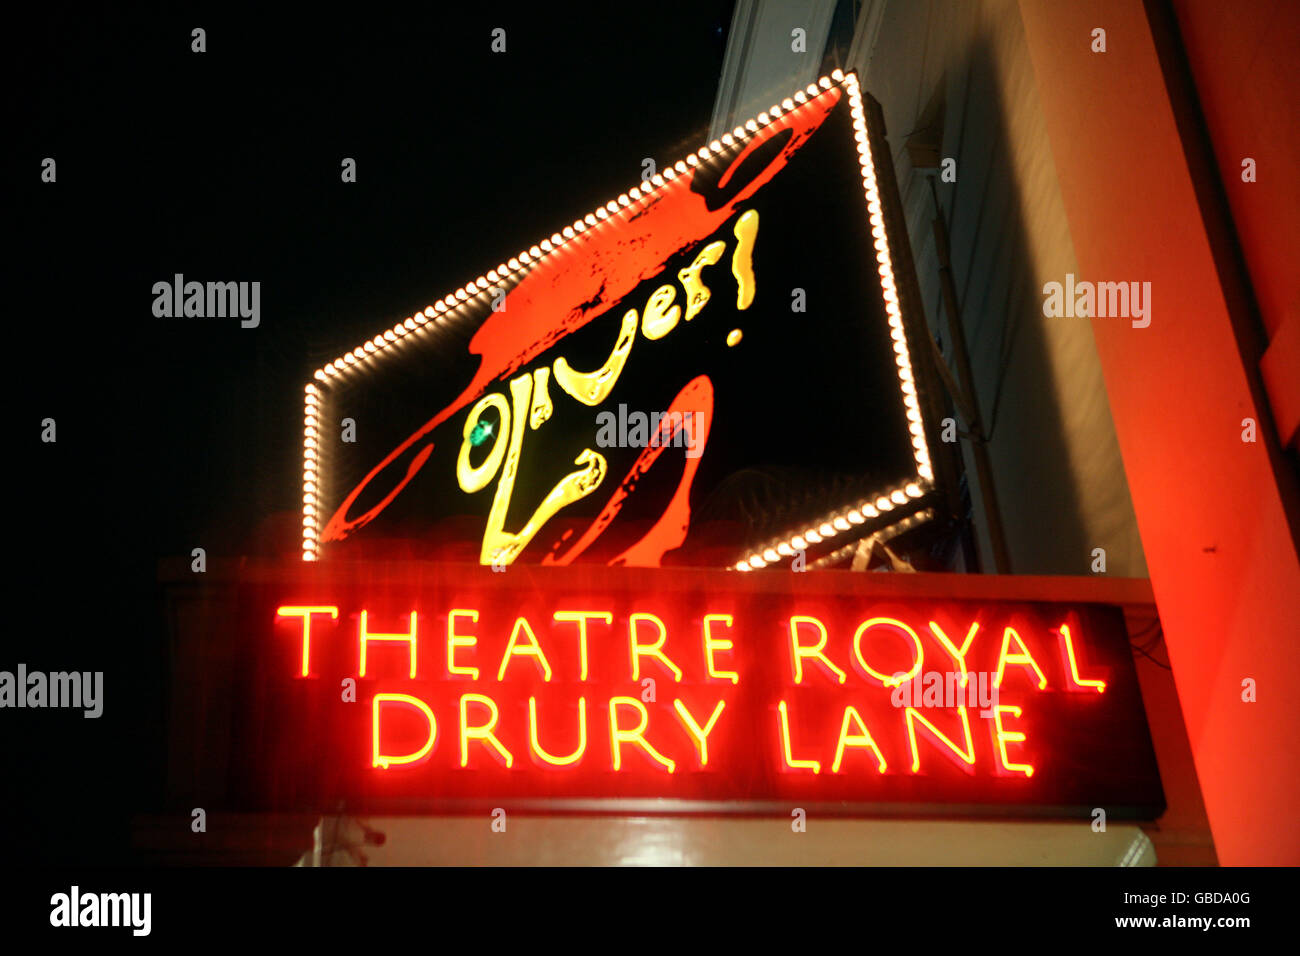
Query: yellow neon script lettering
{"points": [[533, 650], [551, 758], [861, 739], [713, 644], [384, 761], [502, 547], [957, 654], [367, 637], [967, 755], [1069, 649], [1022, 659], [542, 407], [305, 613], [481, 732], [618, 735], [455, 640], [697, 293], [476, 479], [591, 388], [699, 734], [660, 315], [530, 398], [798, 652], [884, 679], [580, 617], [790, 761], [742, 260], [1014, 736], [654, 650]]}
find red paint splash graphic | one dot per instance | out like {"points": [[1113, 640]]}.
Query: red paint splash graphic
{"points": [[585, 278], [670, 530]]}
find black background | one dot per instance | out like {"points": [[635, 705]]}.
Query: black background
{"points": [[807, 415], [175, 434]]}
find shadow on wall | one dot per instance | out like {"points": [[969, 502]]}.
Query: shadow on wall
{"points": [[1055, 459]]}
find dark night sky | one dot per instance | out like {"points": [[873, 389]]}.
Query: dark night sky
{"points": [[225, 166], [176, 433]]}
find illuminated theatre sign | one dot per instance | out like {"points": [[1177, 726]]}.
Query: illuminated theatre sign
{"points": [[713, 372], [440, 688], [714, 369]]}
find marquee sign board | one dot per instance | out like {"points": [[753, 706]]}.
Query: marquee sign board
{"points": [[438, 688], [714, 369]]}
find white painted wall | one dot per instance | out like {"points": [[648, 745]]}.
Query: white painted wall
{"points": [[761, 67], [1056, 461], [666, 841]]}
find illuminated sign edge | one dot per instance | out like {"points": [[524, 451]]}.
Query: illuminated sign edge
{"points": [[874, 506]]}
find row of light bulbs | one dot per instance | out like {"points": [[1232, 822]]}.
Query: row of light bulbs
{"points": [[896, 497], [846, 521], [311, 473], [440, 310], [884, 535]]}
